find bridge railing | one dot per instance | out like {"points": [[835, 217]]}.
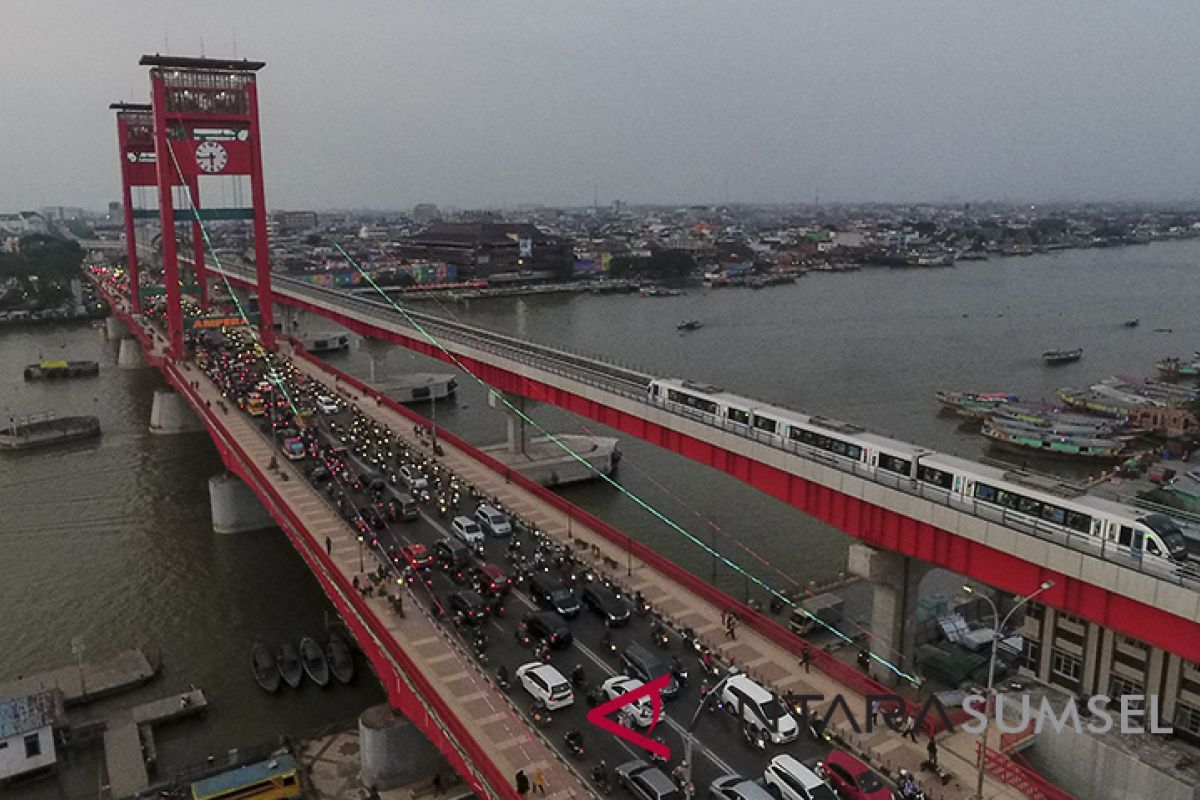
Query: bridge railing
{"points": [[1033, 785]]}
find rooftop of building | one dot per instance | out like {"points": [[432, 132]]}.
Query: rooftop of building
{"points": [[21, 715]]}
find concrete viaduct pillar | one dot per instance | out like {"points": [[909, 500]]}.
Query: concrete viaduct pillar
{"points": [[235, 508], [377, 351], [893, 621], [393, 752], [170, 413]]}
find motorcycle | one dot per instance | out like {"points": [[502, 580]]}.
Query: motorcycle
{"points": [[601, 779], [540, 714], [502, 677], [677, 670], [607, 643], [660, 635], [578, 678], [574, 742], [641, 605], [755, 736]]}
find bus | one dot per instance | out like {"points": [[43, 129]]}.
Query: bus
{"points": [[275, 779]]}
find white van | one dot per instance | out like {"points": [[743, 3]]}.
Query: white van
{"points": [[754, 705], [492, 520]]}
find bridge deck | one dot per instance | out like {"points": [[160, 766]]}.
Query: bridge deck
{"points": [[766, 660]]}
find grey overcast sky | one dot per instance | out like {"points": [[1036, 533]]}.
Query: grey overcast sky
{"points": [[473, 103]]}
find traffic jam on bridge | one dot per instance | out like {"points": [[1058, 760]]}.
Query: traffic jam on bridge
{"points": [[554, 633]]}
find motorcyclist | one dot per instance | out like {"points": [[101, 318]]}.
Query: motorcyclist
{"points": [[502, 675], [600, 773], [574, 740], [577, 675], [908, 784]]}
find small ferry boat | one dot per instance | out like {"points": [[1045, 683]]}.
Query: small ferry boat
{"points": [[1132, 323], [1025, 439], [975, 405], [290, 668], [1175, 368], [313, 657], [61, 369], [690, 325], [266, 669], [1062, 356], [340, 658], [45, 430], [659, 291]]}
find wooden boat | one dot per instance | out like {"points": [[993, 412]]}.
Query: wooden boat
{"points": [[266, 668], [1176, 368], [690, 325], [61, 369], [1132, 323], [46, 430], [313, 658], [1062, 356], [1050, 444], [340, 658], [975, 405], [290, 668]]}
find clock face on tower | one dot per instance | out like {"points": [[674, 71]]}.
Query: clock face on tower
{"points": [[211, 156]]}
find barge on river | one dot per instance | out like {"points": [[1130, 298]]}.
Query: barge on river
{"points": [[46, 430], [61, 369]]}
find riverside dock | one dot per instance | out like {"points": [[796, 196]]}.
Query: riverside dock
{"points": [[129, 748], [83, 683]]}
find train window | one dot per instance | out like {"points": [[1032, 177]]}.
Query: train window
{"points": [[654, 390], [1053, 514], [1125, 538], [801, 435], [1152, 547], [764, 423], [1079, 522], [893, 464], [1029, 506], [698, 403], [935, 476], [738, 416], [985, 493]]}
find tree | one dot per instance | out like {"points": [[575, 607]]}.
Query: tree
{"points": [[661, 264]]}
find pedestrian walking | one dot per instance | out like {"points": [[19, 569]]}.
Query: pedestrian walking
{"points": [[805, 657], [910, 728], [328, 546], [539, 781], [522, 783], [864, 661], [437, 784], [931, 749], [874, 714]]}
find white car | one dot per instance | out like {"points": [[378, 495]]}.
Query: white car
{"points": [[642, 710], [546, 684], [467, 530], [788, 779], [413, 478], [327, 405]]}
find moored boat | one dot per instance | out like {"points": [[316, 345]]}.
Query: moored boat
{"points": [[1132, 323], [1062, 356], [61, 369], [47, 430], [690, 325], [290, 668], [340, 658], [313, 658], [1175, 368], [266, 668], [1049, 444], [975, 405]]}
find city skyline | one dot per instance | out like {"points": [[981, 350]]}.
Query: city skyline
{"points": [[476, 106]]}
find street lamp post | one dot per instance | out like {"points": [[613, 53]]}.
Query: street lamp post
{"points": [[361, 566], [998, 626], [689, 737]]}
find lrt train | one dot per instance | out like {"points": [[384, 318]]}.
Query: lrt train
{"points": [[1108, 524]]}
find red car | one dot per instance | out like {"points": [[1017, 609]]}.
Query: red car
{"points": [[417, 555], [490, 579], [853, 779]]}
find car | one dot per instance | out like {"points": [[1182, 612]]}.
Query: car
{"points": [[546, 684], [451, 554], [642, 710], [467, 530], [469, 604], [550, 593], [545, 625], [372, 517], [327, 405], [853, 779], [605, 602], [293, 448], [735, 787], [320, 476], [417, 555], [788, 779], [490, 579], [757, 707], [492, 520], [646, 782], [413, 478], [638, 662]]}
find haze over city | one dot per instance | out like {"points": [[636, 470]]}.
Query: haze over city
{"points": [[495, 104]]}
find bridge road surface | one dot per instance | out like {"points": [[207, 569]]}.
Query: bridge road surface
{"points": [[509, 743], [767, 660]]}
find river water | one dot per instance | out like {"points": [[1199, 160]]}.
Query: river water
{"points": [[110, 540]]}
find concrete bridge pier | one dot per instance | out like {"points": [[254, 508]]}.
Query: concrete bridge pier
{"points": [[896, 579], [130, 355], [235, 508], [393, 751], [170, 413], [518, 432], [114, 329], [376, 350]]}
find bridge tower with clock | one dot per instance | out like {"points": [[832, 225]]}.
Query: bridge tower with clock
{"points": [[205, 117]]}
